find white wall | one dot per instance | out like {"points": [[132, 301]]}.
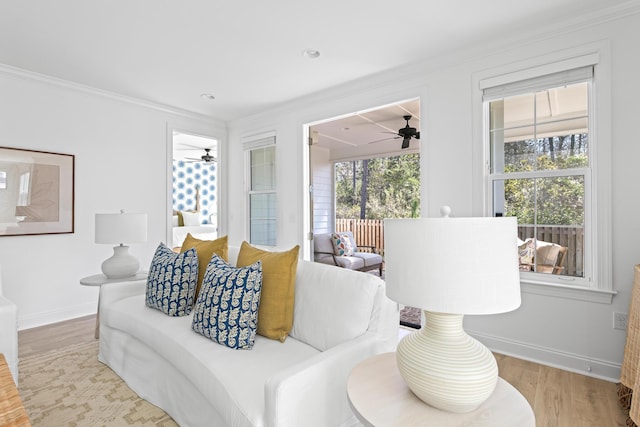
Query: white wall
{"points": [[323, 198], [573, 334], [120, 152]]}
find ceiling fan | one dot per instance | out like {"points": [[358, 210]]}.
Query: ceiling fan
{"points": [[406, 133], [206, 157]]}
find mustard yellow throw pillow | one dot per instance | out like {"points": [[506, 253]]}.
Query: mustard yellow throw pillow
{"points": [[275, 314], [205, 250]]}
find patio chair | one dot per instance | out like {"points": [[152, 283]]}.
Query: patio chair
{"points": [[324, 252]]}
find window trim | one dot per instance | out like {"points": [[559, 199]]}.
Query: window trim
{"points": [[598, 55], [257, 142]]}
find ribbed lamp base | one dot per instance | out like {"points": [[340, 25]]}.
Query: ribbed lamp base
{"points": [[445, 367]]}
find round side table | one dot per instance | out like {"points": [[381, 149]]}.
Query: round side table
{"points": [[101, 279], [379, 397]]}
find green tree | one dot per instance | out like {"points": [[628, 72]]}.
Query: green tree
{"points": [[391, 188], [552, 200]]}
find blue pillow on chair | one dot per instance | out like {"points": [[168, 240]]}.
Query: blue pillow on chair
{"points": [[171, 285], [227, 307]]}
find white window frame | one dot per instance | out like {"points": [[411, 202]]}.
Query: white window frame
{"points": [[597, 285], [249, 145]]}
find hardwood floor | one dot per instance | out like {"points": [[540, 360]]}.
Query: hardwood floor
{"points": [[47, 338], [561, 398], [558, 398]]}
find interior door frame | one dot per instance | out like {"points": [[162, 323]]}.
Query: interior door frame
{"points": [[204, 132]]}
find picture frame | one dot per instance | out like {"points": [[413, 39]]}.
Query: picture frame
{"points": [[36, 192]]}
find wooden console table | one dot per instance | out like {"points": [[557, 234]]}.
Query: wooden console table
{"points": [[12, 413]]}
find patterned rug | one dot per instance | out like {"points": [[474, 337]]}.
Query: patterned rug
{"points": [[411, 317], [72, 388]]}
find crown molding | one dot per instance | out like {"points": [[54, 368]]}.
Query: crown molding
{"points": [[14, 72]]}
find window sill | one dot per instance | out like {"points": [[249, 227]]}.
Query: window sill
{"points": [[580, 293]]}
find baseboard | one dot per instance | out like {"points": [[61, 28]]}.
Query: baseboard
{"points": [[46, 318], [601, 369]]}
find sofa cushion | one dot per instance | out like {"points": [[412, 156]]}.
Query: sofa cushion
{"points": [[342, 245], [275, 314], [171, 283], [322, 243], [369, 258], [227, 307], [321, 322], [350, 262], [205, 250]]}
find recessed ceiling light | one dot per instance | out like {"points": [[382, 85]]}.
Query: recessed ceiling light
{"points": [[207, 96], [311, 53]]}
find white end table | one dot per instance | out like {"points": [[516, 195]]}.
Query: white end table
{"points": [[379, 397], [101, 279]]}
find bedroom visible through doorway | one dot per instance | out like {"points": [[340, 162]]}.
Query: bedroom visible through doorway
{"points": [[194, 187]]}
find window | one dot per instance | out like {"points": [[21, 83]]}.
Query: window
{"points": [[541, 155], [261, 192]]}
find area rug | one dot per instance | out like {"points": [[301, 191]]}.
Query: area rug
{"points": [[72, 388], [411, 317]]}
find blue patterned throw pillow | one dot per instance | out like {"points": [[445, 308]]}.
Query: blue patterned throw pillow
{"points": [[227, 307], [171, 285]]}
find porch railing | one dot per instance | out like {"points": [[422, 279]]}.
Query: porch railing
{"points": [[367, 232], [571, 237], [370, 232]]}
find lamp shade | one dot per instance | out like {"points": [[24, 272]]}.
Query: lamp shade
{"points": [[120, 228], [453, 265]]}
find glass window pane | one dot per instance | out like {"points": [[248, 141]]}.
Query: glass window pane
{"points": [[564, 102], [263, 169], [513, 112], [511, 153], [515, 197], [563, 152], [545, 131], [550, 214], [560, 200], [263, 219]]}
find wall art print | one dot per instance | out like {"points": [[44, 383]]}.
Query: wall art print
{"points": [[36, 192]]}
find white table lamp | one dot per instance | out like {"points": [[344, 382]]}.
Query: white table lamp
{"points": [[450, 267], [121, 228]]}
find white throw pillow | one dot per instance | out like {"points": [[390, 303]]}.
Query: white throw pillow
{"points": [[332, 305], [174, 221], [190, 218]]}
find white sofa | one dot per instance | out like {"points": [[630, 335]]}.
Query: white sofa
{"points": [[9, 332], [341, 317]]}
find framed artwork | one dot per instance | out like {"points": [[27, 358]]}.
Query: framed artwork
{"points": [[36, 192]]}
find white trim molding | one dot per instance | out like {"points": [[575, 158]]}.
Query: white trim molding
{"points": [[14, 72], [571, 362]]}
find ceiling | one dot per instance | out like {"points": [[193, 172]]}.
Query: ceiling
{"points": [[368, 133], [248, 54], [192, 147]]}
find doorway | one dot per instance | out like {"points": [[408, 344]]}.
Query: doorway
{"points": [[376, 133], [194, 187]]}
